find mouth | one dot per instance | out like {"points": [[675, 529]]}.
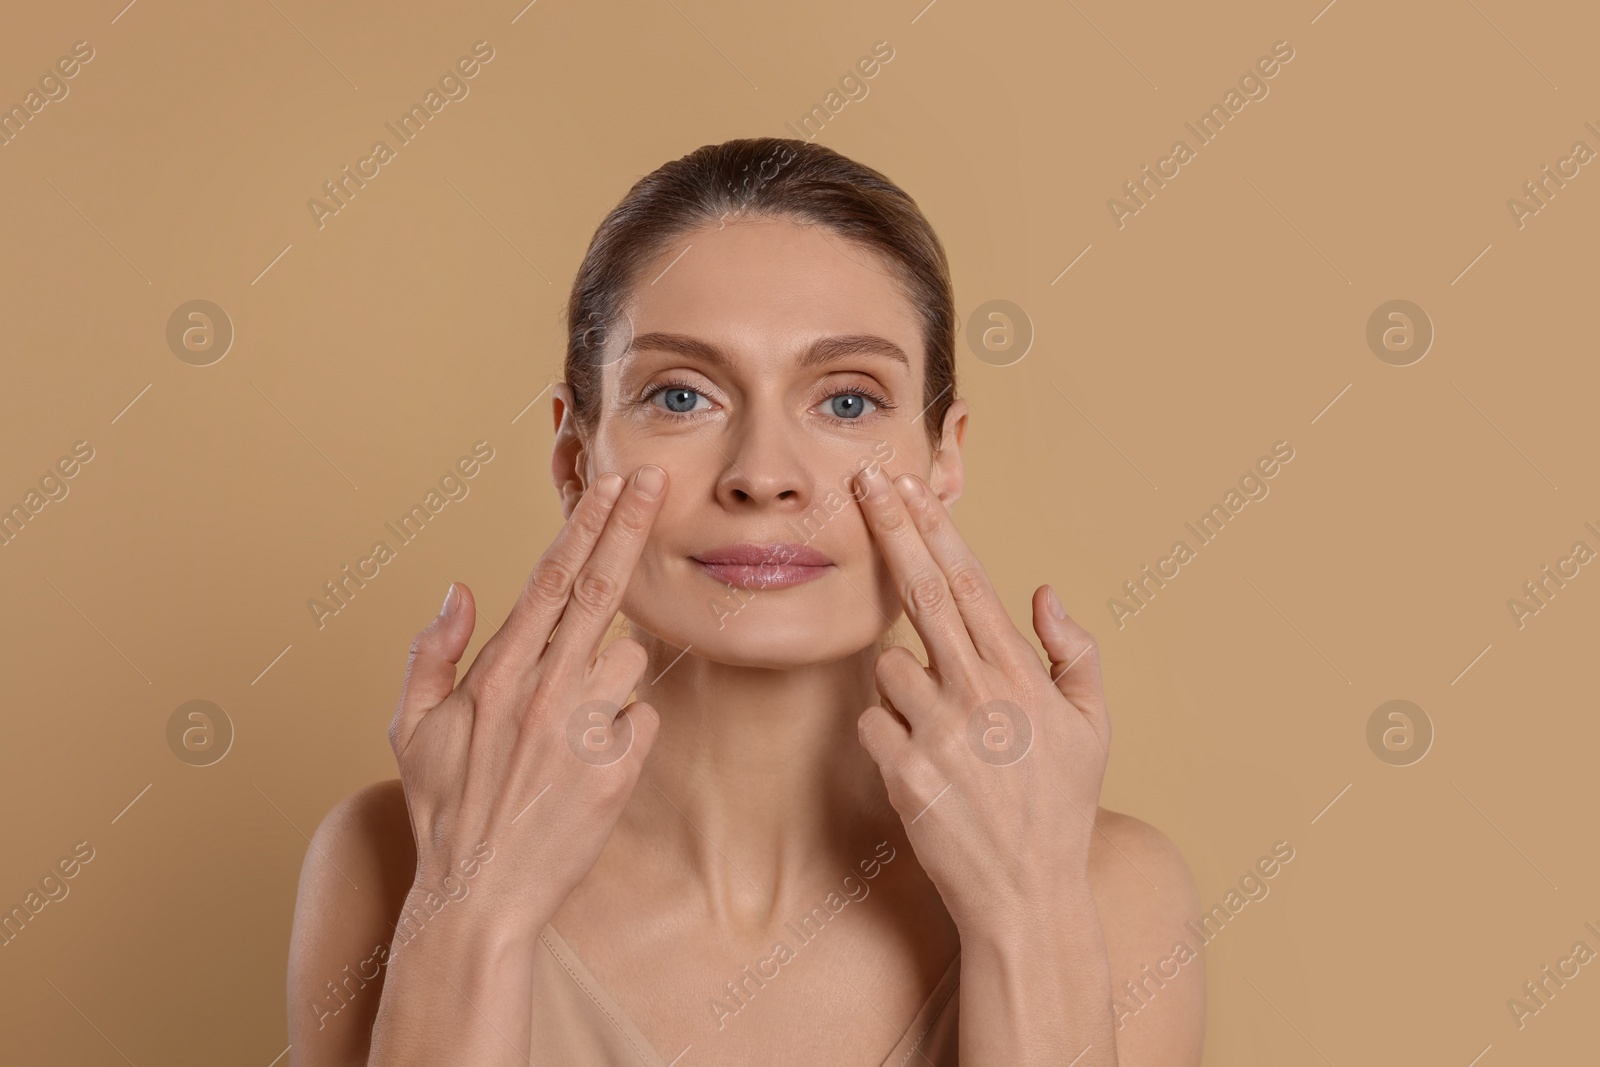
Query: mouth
{"points": [[774, 566]]}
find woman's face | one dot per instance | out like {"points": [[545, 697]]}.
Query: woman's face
{"points": [[769, 363]]}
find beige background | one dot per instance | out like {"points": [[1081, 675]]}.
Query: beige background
{"points": [[1227, 315]]}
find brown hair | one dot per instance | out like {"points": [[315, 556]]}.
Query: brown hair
{"points": [[765, 176]]}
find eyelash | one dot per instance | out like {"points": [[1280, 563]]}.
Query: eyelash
{"points": [[880, 400]]}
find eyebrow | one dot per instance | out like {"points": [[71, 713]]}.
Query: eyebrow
{"points": [[822, 351]]}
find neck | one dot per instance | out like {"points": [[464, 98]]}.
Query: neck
{"points": [[757, 789]]}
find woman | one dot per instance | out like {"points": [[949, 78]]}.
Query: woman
{"points": [[799, 845]]}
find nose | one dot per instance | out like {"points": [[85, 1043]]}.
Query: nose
{"points": [[763, 466]]}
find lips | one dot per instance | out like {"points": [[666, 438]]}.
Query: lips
{"points": [[779, 552], [773, 566]]}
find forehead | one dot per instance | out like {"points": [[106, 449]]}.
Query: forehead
{"points": [[765, 288]]}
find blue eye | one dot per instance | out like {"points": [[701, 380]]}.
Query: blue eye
{"points": [[848, 405], [680, 400]]}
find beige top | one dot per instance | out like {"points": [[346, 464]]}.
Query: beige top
{"points": [[597, 1031]]}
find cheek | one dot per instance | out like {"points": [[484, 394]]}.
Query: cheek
{"points": [[670, 535], [854, 539], [688, 458], [849, 540], [664, 572], [893, 451]]}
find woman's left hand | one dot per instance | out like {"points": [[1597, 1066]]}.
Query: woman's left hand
{"points": [[997, 767]]}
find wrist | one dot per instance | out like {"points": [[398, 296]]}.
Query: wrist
{"points": [[461, 917], [1064, 916]]}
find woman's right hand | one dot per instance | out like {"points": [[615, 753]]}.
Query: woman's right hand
{"points": [[515, 777]]}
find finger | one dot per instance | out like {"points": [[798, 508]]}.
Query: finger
{"points": [[914, 785], [906, 685], [598, 589], [431, 666], [991, 630], [1074, 659], [522, 637], [922, 587], [885, 738], [617, 670]]}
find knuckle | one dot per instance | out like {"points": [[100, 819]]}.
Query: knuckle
{"points": [[893, 773], [894, 520], [594, 590], [966, 583], [891, 665], [632, 657], [422, 642], [490, 689], [549, 580], [924, 594], [590, 521], [931, 515], [915, 770], [951, 744], [632, 518]]}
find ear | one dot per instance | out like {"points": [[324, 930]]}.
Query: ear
{"points": [[567, 460], [946, 478]]}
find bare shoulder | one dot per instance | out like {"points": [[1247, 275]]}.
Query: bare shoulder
{"points": [[1138, 869], [1146, 897], [353, 882]]}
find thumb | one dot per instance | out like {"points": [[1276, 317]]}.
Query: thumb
{"points": [[431, 667], [1074, 655]]}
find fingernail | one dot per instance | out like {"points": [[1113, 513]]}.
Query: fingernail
{"points": [[909, 490], [609, 486], [1055, 605], [650, 480], [449, 601], [875, 482]]}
